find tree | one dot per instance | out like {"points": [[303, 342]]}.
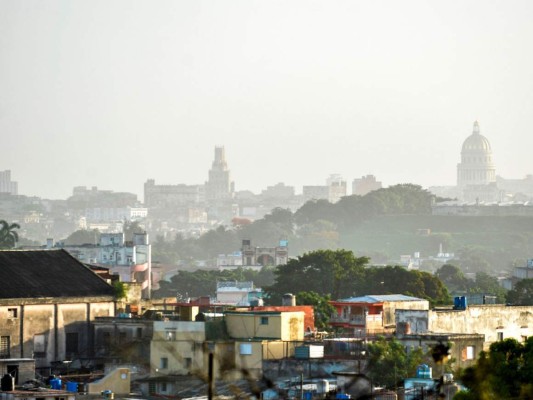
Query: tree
{"points": [[522, 294], [8, 236], [131, 227], [326, 272], [389, 363], [504, 372], [83, 236], [486, 284], [321, 306], [452, 277], [398, 280]]}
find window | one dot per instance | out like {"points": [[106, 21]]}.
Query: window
{"points": [[71, 343], [468, 353], [163, 364], [163, 387], [139, 333], [245, 349], [12, 313], [5, 346], [171, 335], [500, 336], [264, 321], [188, 362], [39, 346]]}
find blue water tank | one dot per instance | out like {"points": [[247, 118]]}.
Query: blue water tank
{"points": [[72, 387], [423, 371], [55, 384]]}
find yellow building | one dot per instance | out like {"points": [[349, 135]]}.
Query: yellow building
{"points": [[182, 348], [274, 325]]}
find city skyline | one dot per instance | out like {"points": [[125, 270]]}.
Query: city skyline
{"points": [[110, 94]]}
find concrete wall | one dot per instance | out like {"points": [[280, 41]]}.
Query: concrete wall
{"points": [[118, 381], [181, 343], [283, 325], [25, 367], [45, 327], [496, 322]]}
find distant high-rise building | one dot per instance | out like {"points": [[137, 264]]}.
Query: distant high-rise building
{"points": [[310, 192], [365, 184], [6, 184], [219, 186], [336, 187], [476, 166], [172, 196]]}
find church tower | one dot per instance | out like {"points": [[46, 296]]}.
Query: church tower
{"points": [[476, 166], [218, 186]]}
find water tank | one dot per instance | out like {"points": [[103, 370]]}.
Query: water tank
{"points": [[288, 299], [72, 387], [459, 303], [423, 371], [55, 384], [7, 383]]}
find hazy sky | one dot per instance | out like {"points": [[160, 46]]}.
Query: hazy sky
{"points": [[111, 93]]}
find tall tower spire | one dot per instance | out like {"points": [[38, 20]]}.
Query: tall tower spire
{"points": [[218, 185]]}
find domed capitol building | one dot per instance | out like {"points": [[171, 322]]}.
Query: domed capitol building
{"points": [[476, 173], [477, 181], [476, 166]]}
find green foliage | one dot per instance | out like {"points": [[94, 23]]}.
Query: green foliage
{"points": [[505, 372], [452, 277], [398, 280], [83, 236], [332, 272], [203, 282], [321, 306], [340, 274], [131, 227], [121, 290], [389, 363], [522, 294], [8, 235], [487, 284]]}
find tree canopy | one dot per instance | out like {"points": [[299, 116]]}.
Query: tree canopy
{"points": [[326, 272], [389, 363], [522, 294], [340, 274], [8, 235], [504, 372]]}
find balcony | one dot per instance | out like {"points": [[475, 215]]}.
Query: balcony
{"points": [[369, 321]]}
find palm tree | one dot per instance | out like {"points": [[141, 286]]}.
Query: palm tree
{"points": [[8, 236]]}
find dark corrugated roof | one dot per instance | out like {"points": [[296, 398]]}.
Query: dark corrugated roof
{"points": [[47, 273]]}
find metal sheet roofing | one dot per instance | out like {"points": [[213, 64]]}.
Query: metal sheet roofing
{"points": [[47, 273], [379, 298]]}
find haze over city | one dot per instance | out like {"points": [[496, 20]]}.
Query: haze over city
{"points": [[111, 93]]}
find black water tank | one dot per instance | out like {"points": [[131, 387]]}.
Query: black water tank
{"points": [[7, 383]]}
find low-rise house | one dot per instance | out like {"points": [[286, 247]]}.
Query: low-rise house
{"points": [[237, 341], [48, 300], [464, 348], [371, 315]]}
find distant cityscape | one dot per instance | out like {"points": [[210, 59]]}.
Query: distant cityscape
{"points": [[194, 209]]}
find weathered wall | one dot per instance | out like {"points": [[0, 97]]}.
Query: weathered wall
{"points": [[246, 325], [494, 321], [45, 326], [315, 368]]}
